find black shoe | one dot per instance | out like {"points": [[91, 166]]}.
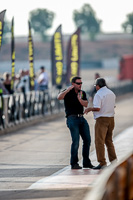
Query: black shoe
{"points": [[76, 166], [99, 167], [88, 166]]}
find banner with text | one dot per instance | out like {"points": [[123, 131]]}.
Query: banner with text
{"points": [[2, 14], [12, 55], [31, 59], [57, 58], [73, 56]]}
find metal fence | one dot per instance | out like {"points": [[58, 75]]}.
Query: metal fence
{"points": [[19, 107], [119, 87], [122, 88]]}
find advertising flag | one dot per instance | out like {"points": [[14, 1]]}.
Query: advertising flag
{"points": [[2, 14], [73, 56], [57, 58], [12, 55], [31, 59]]}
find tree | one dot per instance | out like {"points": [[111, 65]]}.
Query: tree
{"points": [[87, 21], [41, 20], [128, 24]]}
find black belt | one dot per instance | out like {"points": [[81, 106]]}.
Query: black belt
{"points": [[78, 115]]}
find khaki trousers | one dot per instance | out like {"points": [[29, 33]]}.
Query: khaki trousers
{"points": [[103, 136]]}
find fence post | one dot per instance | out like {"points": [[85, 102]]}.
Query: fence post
{"points": [[5, 111]]}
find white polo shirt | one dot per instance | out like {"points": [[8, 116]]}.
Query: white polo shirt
{"points": [[44, 78], [105, 100]]}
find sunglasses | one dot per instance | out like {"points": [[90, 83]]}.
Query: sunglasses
{"points": [[78, 83]]}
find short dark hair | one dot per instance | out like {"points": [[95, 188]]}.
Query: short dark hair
{"points": [[42, 67], [100, 82], [97, 75], [75, 78]]}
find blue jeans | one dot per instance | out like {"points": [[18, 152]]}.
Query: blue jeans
{"points": [[43, 87], [78, 126]]}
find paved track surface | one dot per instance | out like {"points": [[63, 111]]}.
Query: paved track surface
{"points": [[40, 151]]}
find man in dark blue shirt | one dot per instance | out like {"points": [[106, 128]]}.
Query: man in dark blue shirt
{"points": [[75, 100]]}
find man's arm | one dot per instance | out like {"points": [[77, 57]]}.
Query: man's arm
{"points": [[84, 103], [91, 109], [40, 79], [96, 105], [62, 94]]}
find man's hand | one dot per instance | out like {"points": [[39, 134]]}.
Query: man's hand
{"points": [[80, 95], [87, 110], [70, 88], [84, 103], [62, 94], [91, 109]]}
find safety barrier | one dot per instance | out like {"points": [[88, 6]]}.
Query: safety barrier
{"points": [[116, 182], [19, 107], [122, 87]]}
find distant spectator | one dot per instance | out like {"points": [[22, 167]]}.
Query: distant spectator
{"points": [[36, 85], [93, 89], [23, 84], [3, 89], [43, 79], [7, 82]]}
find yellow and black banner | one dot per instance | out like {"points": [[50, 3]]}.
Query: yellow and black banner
{"points": [[31, 59], [73, 56], [57, 58], [12, 55], [2, 14]]}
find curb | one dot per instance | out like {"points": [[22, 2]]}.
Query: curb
{"points": [[31, 121]]}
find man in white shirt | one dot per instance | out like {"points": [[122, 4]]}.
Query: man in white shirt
{"points": [[103, 110], [43, 79]]}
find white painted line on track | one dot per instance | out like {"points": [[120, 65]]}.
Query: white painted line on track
{"points": [[38, 183]]}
